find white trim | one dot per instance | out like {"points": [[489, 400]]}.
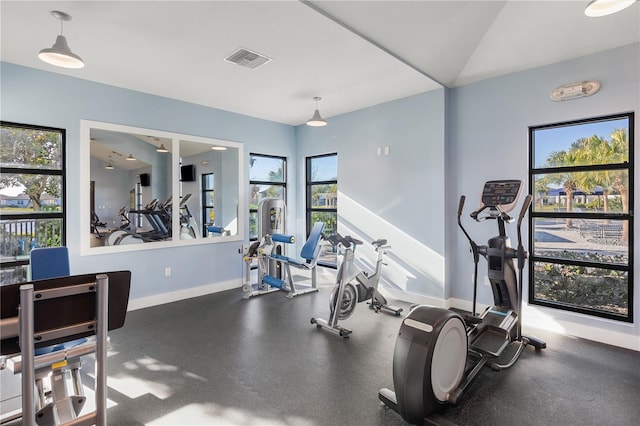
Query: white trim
{"points": [[189, 293], [412, 297], [466, 305], [544, 319], [85, 176]]}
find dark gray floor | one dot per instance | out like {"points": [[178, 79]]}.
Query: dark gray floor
{"points": [[219, 359]]}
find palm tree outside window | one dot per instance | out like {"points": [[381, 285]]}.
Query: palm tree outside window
{"points": [[581, 236]]}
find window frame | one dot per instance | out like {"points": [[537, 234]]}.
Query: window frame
{"points": [[628, 216], [204, 191], [283, 184], [309, 209], [62, 172]]}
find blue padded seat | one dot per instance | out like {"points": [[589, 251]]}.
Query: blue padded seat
{"points": [[311, 248], [49, 262]]}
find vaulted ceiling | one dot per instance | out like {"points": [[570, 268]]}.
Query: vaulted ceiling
{"points": [[353, 54]]}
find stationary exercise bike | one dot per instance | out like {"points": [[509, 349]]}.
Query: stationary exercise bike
{"points": [[347, 293], [439, 352]]}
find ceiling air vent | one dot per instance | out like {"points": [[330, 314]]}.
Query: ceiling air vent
{"points": [[246, 58]]}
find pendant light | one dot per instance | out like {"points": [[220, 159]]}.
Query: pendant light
{"points": [[130, 158], [599, 8], [109, 165], [162, 148], [59, 54], [316, 120]]}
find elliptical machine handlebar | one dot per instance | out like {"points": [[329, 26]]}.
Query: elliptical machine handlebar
{"points": [[522, 254], [475, 250], [460, 207], [522, 257], [495, 212]]}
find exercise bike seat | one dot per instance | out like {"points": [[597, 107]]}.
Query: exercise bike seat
{"points": [[353, 241], [379, 243]]}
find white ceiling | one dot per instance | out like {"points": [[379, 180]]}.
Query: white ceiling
{"points": [[353, 54]]}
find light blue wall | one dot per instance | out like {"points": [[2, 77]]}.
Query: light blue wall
{"points": [[442, 144], [42, 98], [111, 191], [225, 179], [399, 196], [488, 139]]}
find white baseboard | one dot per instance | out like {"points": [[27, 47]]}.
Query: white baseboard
{"points": [[188, 293], [412, 297], [544, 319]]}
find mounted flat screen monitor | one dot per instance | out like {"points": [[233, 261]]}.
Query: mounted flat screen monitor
{"points": [[145, 179], [188, 173]]}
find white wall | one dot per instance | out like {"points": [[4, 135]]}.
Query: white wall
{"points": [[488, 139]]}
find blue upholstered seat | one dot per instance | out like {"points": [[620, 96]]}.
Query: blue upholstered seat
{"points": [[311, 248], [49, 262]]}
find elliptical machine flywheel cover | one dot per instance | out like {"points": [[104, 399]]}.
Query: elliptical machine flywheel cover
{"points": [[429, 361]]}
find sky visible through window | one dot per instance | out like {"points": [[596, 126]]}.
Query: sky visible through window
{"points": [[561, 138], [262, 167], [325, 168]]}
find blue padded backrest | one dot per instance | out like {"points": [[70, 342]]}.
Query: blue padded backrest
{"points": [[49, 262], [312, 246]]}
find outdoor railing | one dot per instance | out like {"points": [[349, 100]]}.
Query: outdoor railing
{"points": [[17, 238]]}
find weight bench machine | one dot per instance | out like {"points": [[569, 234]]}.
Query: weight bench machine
{"points": [[266, 252], [50, 312]]}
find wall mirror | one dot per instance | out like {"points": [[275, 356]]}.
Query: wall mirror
{"points": [[148, 189]]}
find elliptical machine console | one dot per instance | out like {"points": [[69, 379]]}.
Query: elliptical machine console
{"points": [[439, 352]]}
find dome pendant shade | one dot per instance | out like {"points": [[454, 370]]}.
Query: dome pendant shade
{"points": [[316, 120], [60, 55]]}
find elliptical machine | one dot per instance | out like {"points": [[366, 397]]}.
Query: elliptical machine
{"points": [[438, 352]]}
